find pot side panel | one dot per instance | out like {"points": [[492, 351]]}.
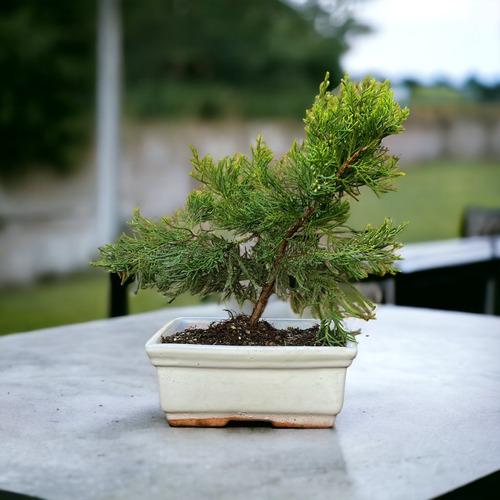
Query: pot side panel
{"points": [[312, 392]]}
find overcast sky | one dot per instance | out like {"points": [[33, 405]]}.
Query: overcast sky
{"points": [[427, 40]]}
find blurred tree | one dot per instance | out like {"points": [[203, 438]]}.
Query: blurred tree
{"points": [[263, 57], [182, 57], [47, 83], [482, 92]]}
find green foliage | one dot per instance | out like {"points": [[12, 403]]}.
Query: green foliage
{"points": [[228, 57], [47, 84], [258, 226], [181, 58]]}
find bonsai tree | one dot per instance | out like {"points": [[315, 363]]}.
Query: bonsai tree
{"points": [[260, 226]]}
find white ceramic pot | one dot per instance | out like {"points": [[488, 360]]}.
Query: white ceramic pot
{"points": [[288, 386]]}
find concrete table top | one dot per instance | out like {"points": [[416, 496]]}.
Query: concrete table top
{"points": [[80, 417]]}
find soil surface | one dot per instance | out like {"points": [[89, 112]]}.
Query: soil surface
{"points": [[237, 331]]}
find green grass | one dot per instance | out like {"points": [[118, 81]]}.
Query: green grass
{"points": [[431, 197], [72, 299]]}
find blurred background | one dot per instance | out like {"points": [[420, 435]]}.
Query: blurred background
{"points": [[101, 99]]}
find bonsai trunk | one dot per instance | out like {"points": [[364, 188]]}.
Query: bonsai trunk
{"points": [[268, 288], [261, 303]]}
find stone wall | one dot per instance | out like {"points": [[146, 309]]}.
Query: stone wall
{"points": [[48, 224]]}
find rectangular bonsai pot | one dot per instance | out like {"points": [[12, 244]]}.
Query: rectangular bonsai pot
{"points": [[209, 386]]}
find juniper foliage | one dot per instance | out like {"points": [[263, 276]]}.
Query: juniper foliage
{"points": [[259, 226]]}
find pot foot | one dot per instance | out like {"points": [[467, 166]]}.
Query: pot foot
{"points": [[198, 422], [286, 421]]}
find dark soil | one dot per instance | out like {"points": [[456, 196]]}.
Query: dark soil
{"points": [[236, 331]]}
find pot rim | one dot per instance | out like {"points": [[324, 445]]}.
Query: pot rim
{"points": [[183, 321]]}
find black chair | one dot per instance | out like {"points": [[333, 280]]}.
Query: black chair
{"points": [[480, 221]]}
